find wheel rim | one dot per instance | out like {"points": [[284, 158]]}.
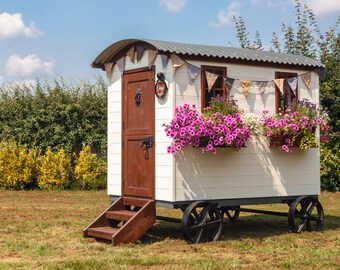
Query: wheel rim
{"points": [[201, 222], [306, 213], [231, 214]]}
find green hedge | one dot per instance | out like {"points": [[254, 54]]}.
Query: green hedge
{"points": [[53, 115]]}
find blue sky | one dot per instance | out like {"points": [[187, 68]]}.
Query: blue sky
{"points": [[53, 38]]}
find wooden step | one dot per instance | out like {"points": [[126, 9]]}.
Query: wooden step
{"points": [[123, 215], [131, 201], [102, 232]]}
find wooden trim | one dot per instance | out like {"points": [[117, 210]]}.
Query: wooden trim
{"points": [[203, 82], [278, 75], [130, 71]]}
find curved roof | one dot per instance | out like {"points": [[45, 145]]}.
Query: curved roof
{"points": [[206, 51]]}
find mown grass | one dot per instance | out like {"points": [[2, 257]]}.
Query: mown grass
{"points": [[43, 230]]}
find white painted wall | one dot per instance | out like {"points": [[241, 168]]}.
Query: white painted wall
{"points": [[254, 171]]}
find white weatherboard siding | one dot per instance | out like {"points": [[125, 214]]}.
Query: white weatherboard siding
{"points": [[163, 114], [254, 171]]}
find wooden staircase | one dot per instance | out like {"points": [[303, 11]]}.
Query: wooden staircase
{"points": [[125, 221]]}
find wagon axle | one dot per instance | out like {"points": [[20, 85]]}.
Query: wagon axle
{"points": [[202, 220]]}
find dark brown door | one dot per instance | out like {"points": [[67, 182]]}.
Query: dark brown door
{"points": [[138, 165]]}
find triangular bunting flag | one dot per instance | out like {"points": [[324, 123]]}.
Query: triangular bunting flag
{"points": [[307, 79], [176, 61], [108, 69], [152, 57], [245, 87], [292, 84], [165, 60], [121, 64], [131, 54], [193, 72], [211, 79], [279, 84], [140, 51], [261, 85], [229, 84]]}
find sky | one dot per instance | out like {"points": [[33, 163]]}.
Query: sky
{"points": [[49, 39]]}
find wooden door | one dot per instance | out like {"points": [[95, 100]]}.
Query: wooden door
{"points": [[138, 165]]}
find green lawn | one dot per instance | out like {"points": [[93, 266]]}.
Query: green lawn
{"points": [[43, 230]]}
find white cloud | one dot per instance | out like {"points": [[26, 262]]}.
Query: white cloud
{"points": [[27, 66], [323, 8], [12, 26], [225, 16], [173, 5]]}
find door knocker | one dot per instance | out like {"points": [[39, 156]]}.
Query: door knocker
{"points": [[147, 143], [138, 96]]}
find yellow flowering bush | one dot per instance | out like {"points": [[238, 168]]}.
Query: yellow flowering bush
{"points": [[17, 166], [54, 170], [88, 167]]}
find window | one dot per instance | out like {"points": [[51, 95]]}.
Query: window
{"points": [[218, 88], [285, 100]]}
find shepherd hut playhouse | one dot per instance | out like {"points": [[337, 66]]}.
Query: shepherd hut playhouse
{"points": [[147, 80]]}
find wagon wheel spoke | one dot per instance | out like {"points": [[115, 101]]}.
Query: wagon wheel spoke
{"points": [[201, 222], [305, 212]]}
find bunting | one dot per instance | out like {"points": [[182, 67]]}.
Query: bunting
{"points": [[165, 60], [121, 64], [307, 79], [279, 84], [292, 84], [131, 54], [193, 72], [211, 79], [108, 69], [229, 84], [261, 85], [140, 51], [245, 87], [152, 57], [176, 61]]}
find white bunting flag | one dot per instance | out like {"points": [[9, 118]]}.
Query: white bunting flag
{"points": [[193, 72], [121, 64], [108, 69], [211, 79], [152, 57], [261, 85], [176, 61], [292, 84], [165, 60], [279, 84]]}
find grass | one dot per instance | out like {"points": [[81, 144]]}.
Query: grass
{"points": [[43, 230]]}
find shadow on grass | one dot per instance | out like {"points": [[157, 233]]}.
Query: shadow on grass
{"points": [[251, 226]]}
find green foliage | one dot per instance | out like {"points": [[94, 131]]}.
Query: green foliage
{"points": [[90, 170], [54, 170], [222, 105], [330, 167], [55, 114], [17, 166]]}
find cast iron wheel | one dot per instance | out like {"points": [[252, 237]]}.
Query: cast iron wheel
{"points": [[305, 213], [201, 222], [231, 214]]}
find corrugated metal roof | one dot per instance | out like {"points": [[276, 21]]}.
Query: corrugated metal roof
{"points": [[227, 53]]}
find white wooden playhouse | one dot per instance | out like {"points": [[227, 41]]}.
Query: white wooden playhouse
{"points": [[206, 187]]}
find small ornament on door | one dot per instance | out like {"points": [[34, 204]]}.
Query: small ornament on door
{"points": [[161, 87], [138, 96]]}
